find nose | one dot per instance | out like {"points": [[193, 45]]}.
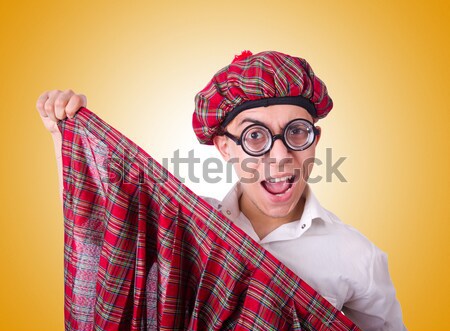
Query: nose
{"points": [[279, 152]]}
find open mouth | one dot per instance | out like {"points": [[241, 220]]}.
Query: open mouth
{"points": [[278, 186]]}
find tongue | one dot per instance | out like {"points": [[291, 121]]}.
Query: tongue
{"points": [[276, 188]]}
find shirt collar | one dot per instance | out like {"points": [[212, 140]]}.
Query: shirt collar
{"points": [[313, 208], [230, 203]]}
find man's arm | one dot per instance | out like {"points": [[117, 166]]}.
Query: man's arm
{"points": [[54, 106], [377, 309], [57, 143]]}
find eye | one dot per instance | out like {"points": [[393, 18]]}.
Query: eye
{"points": [[256, 139], [256, 135], [297, 131]]}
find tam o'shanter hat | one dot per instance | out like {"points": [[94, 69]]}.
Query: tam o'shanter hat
{"points": [[258, 80]]}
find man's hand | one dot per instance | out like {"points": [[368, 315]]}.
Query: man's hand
{"points": [[57, 105]]}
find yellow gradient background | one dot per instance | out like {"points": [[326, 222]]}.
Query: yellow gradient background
{"points": [[386, 65]]}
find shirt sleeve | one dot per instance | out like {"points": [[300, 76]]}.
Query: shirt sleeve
{"points": [[377, 309]]}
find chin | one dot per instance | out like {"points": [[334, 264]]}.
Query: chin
{"points": [[280, 206], [278, 213]]}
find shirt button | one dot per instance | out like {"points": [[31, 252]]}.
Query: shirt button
{"points": [[303, 226], [228, 212]]}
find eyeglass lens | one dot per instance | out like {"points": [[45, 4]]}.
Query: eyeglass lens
{"points": [[258, 138]]}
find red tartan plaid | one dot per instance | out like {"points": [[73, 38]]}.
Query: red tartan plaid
{"points": [[142, 252], [260, 77]]}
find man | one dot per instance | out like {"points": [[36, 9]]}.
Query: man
{"points": [[260, 112]]}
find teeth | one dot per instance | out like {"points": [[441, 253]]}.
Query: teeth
{"points": [[276, 180]]}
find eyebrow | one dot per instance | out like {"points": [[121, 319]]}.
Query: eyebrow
{"points": [[251, 120]]}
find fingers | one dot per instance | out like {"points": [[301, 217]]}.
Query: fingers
{"points": [[49, 105], [40, 104], [60, 103], [75, 102], [57, 105]]}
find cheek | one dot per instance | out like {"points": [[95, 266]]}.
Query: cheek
{"points": [[249, 168], [246, 166], [304, 162]]}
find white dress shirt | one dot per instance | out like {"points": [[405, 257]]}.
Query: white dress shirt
{"points": [[332, 257]]}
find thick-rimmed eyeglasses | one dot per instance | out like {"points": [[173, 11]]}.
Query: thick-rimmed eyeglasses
{"points": [[257, 139]]}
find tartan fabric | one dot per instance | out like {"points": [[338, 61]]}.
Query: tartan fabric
{"points": [[142, 252], [264, 75]]}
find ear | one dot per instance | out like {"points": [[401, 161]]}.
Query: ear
{"points": [[319, 135], [221, 143]]}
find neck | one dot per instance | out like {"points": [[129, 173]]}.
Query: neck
{"points": [[264, 224]]}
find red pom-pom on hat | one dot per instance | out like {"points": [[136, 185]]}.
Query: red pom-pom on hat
{"points": [[245, 54]]}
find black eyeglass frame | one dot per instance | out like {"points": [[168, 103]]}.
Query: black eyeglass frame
{"points": [[282, 136]]}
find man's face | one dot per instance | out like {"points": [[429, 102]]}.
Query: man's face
{"points": [[273, 183]]}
